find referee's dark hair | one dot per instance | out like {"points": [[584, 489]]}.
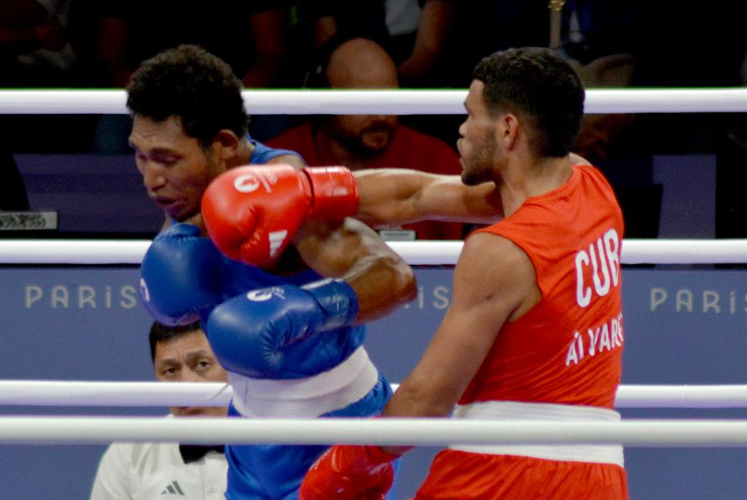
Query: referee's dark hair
{"points": [[163, 333]]}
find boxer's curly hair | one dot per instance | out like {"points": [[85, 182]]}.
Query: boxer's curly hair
{"points": [[538, 85], [193, 85]]}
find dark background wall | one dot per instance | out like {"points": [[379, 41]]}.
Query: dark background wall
{"points": [[672, 195]]}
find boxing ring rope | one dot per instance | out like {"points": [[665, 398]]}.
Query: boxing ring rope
{"points": [[417, 432], [395, 102], [414, 252], [426, 432], [159, 394]]}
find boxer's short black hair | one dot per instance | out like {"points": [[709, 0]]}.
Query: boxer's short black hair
{"points": [[539, 85], [193, 85]]}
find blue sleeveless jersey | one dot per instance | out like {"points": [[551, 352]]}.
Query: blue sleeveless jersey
{"points": [[264, 472], [273, 472], [262, 154], [316, 354]]}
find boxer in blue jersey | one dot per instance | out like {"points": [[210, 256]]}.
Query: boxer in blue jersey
{"points": [[289, 334]]}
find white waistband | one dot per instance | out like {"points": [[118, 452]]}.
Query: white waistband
{"points": [[307, 397], [510, 410]]}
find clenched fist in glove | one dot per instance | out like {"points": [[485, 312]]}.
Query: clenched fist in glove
{"points": [[349, 473], [250, 333], [180, 276], [252, 212]]}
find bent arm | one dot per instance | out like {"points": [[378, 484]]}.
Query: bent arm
{"points": [[400, 196], [349, 250], [493, 283]]}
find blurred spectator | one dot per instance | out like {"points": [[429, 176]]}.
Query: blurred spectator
{"points": [[482, 27], [253, 36], [34, 50], [595, 38], [413, 32], [115, 36], [678, 47], [370, 141]]}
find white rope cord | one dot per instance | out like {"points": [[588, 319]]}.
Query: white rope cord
{"points": [[72, 251], [414, 252], [396, 102], [418, 432], [158, 394], [123, 394]]}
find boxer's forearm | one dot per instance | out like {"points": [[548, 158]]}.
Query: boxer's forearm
{"points": [[399, 196], [349, 250], [383, 284], [390, 196]]}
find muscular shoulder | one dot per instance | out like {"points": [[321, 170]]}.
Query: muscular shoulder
{"points": [[493, 268], [496, 254]]}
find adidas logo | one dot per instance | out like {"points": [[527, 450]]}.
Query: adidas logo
{"points": [[173, 489], [276, 241]]}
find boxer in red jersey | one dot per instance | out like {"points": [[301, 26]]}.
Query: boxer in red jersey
{"points": [[535, 327]]}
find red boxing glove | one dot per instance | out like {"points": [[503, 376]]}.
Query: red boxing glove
{"points": [[349, 473], [252, 212]]}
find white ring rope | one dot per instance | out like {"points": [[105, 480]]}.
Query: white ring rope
{"points": [[158, 394], [418, 432], [395, 102], [104, 430], [414, 252]]}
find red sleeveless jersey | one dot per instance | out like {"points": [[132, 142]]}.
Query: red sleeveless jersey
{"points": [[567, 349]]}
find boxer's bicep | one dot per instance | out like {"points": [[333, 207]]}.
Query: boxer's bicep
{"points": [[354, 252], [491, 281]]}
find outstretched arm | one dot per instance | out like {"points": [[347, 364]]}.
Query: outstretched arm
{"points": [[350, 250], [399, 196]]}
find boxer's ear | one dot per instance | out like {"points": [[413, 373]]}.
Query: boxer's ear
{"points": [[225, 145]]}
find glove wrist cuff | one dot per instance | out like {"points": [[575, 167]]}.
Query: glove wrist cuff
{"points": [[335, 193], [337, 300]]}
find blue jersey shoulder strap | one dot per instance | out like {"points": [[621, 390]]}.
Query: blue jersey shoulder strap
{"points": [[262, 154]]}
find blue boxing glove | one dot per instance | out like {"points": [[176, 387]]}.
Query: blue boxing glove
{"points": [[248, 333], [180, 277]]}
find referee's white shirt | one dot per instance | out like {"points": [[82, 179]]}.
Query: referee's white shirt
{"points": [[149, 471]]}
